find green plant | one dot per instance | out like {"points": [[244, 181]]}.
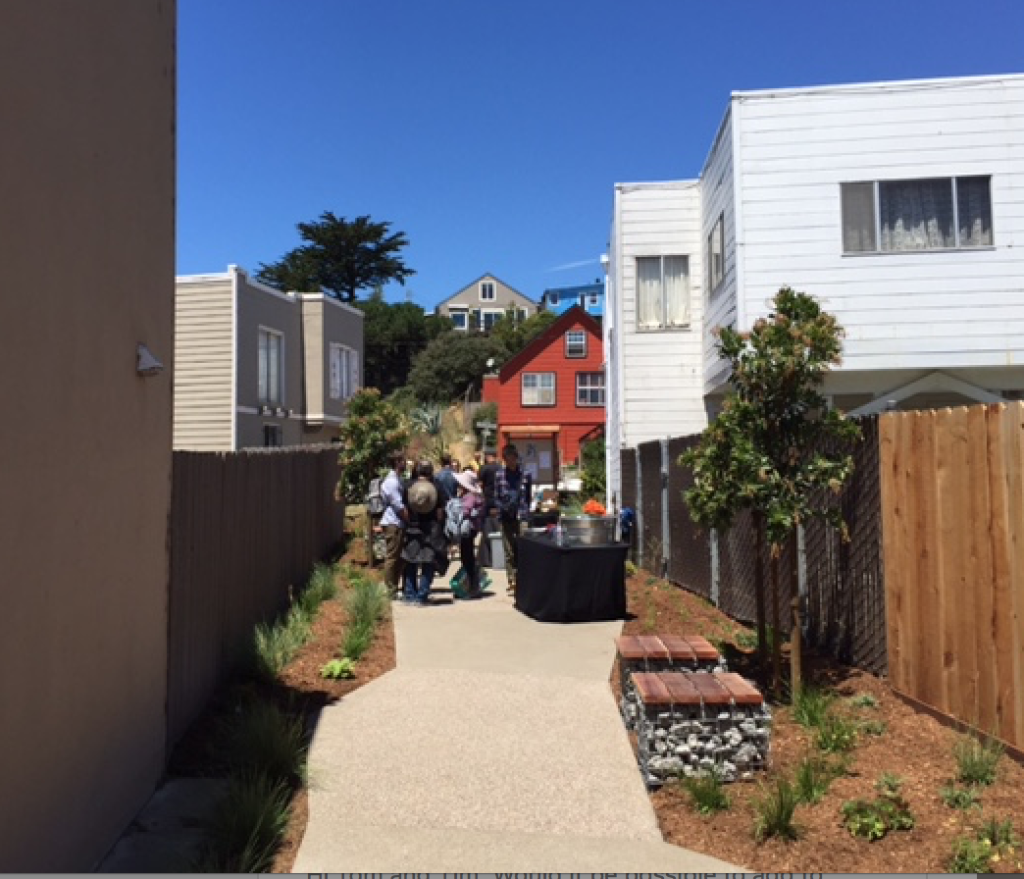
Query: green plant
{"points": [[864, 700], [337, 669], [274, 646], [872, 727], [814, 775], [630, 569], [367, 601], [959, 797], [246, 831], [745, 640], [263, 738], [971, 856], [889, 784], [774, 810], [357, 639], [322, 586], [373, 430], [811, 705], [977, 760], [707, 793], [998, 833], [873, 819], [836, 734]]}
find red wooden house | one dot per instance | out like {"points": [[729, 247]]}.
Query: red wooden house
{"points": [[550, 396]]}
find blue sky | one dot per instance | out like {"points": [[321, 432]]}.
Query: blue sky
{"points": [[492, 133]]}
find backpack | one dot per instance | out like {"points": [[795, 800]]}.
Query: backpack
{"points": [[456, 523], [375, 498]]}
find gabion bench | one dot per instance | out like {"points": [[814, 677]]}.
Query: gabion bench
{"points": [[694, 724], [656, 653]]}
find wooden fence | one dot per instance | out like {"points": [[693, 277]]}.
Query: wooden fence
{"points": [[953, 508], [245, 527]]}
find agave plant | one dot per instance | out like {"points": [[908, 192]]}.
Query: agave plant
{"points": [[429, 420]]}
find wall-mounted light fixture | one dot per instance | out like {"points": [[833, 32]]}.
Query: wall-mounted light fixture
{"points": [[147, 365]]}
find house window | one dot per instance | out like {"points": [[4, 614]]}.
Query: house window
{"points": [[592, 300], [272, 435], [576, 343], [486, 291], [538, 389], [344, 372], [589, 388], [716, 255], [490, 318], [271, 368], [459, 319], [663, 292], [939, 213], [552, 299]]}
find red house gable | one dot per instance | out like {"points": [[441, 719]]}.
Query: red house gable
{"points": [[551, 394]]}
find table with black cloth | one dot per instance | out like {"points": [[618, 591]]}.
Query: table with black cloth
{"points": [[571, 584]]}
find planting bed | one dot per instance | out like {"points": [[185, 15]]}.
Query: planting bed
{"points": [[913, 746]]}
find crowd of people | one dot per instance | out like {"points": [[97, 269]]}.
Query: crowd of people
{"points": [[428, 512]]}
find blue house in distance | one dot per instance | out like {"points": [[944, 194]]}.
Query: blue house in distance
{"points": [[560, 299]]}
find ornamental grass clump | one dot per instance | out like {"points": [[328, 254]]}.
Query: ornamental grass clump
{"points": [[263, 738], [774, 811], [977, 760], [707, 793]]}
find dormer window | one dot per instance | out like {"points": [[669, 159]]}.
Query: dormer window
{"points": [[576, 343], [487, 291]]}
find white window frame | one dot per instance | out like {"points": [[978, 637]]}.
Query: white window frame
{"points": [[876, 192], [488, 293], [663, 324], [538, 389], [344, 372], [584, 387], [459, 311], [266, 395], [593, 300], [495, 313], [716, 255], [582, 346]]}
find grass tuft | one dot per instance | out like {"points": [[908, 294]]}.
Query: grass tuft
{"points": [[836, 734], [977, 761], [264, 738], [814, 775], [961, 798], [707, 793], [811, 706], [774, 811]]}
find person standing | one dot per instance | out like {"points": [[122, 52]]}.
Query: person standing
{"points": [[421, 536], [473, 513], [445, 480], [488, 470], [393, 521], [513, 489]]}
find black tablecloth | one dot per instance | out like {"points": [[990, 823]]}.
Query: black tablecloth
{"points": [[571, 584]]}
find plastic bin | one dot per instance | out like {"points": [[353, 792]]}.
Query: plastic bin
{"points": [[497, 551]]}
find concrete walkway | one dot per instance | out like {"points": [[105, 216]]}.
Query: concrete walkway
{"points": [[494, 745]]}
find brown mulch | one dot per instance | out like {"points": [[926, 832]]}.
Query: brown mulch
{"points": [[914, 746]]}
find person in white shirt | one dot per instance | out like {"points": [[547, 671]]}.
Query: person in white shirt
{"points": [[393, 522]]}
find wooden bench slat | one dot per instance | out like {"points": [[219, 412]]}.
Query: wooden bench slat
{"points": [[680, 688], [651, 689], [743, 692], [678, 648], [703, 648], [711, 691], [652, 644], [629, 647]]}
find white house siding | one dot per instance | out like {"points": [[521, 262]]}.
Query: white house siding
{"points": [[661, 371], [203, 363], [923, 310], [718, 200]]}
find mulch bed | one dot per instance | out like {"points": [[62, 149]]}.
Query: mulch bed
{"points": [[301, 689], [914, 746]]}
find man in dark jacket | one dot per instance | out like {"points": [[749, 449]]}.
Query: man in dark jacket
{"points": [[488, 472], [513, 491]]}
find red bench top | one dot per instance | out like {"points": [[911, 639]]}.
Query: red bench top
{"points": [[680, 688], [687, 648]]}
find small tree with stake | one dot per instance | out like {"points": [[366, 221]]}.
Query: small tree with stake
{"points": [[776, 443]]}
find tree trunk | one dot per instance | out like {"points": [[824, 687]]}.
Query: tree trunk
{"points": [[776, 628], [759, 596], [795, 646]]}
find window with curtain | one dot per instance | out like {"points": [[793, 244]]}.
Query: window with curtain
{"points": [[270, 374], [662, 292], [895, 216], [538, 389]]}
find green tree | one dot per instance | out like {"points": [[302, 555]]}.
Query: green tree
{"points": [[340, 257], [514, 332], [592, 458], [393, 334], [373, 430], [453, 365], [776, 443]]}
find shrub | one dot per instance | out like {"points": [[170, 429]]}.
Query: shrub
{"points": [[247, 829], [707, 793], [368, 601], [267, 740], [357, 639], [998, 833], [774, 810], [971, 856], [889, 784], [337, 669], [977, 761], [811, 706], [814, 775], [273, 648], [959, 797], [864, 700], [873, 819], [836, 734]]}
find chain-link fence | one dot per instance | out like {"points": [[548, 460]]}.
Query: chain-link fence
{"points": [[842, 582]]}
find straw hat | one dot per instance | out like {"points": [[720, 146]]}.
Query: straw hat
{"points": [[467, 479]]}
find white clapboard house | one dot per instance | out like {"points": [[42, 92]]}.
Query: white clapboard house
{"points": [[899, 205]]}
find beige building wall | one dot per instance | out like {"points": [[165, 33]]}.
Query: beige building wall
{"points": [[469, 297], [204, 357], [87, 225]]}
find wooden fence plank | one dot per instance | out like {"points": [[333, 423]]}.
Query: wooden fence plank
{"points": [[894, 519], [928, 597], [1009, 601], [986, 592]]}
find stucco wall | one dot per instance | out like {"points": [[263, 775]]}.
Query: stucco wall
{"points": [[87, 225]]}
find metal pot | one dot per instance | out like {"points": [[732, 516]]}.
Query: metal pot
{"points": [[588, 530]]}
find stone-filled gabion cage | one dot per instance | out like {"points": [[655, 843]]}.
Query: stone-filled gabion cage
{"points": [[694, 724]]}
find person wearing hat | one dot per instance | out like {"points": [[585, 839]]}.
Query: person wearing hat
{"points": [[473, 512], [513, 489], [421, 535]]}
